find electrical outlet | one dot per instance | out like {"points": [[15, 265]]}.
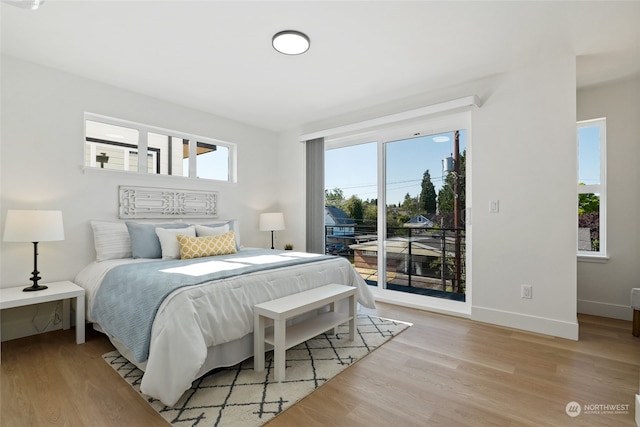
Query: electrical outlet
{"points": [[526, 291]]}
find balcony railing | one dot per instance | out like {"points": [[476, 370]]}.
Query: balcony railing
{"points": [[427, 261]]}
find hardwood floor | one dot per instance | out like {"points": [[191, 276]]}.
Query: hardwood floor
{"points": [[441, 371]]}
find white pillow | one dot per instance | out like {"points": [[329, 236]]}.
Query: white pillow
{"points": [[203, 230], [169, 240], [111, 240], [233, 224]]}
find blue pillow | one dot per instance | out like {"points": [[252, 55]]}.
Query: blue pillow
{"points": [[144, 240]]}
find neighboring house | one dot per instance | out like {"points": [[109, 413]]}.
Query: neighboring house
{"points": [[340, 230], [418, 221], [338, 222]]}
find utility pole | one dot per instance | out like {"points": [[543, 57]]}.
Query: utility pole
{"points": [[456, 212]]}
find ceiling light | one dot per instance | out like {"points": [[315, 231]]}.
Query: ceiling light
{"points": [[25, 4], [291, 42]]}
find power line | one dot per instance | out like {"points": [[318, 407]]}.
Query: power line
{"points": [[388, 183]]}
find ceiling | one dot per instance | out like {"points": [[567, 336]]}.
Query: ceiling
{"points": [[217, 57]]}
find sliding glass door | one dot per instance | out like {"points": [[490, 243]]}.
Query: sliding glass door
{"points": [[424, 244], [395, 206]]}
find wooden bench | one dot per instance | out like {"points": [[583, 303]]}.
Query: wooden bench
{"points": [[282, 309]]}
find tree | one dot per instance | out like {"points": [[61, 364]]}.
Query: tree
{"points": [[428, 195], [588, 202], [354, 208], [371, 213], [410, 205], [334, 197]]}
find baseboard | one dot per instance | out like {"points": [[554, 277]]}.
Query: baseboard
{"points": [[421, 302], [541, 325], [30, 320], [603, 309]]}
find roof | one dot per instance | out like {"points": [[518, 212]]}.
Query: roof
{"points": [[339, 216], [419, 221], [400, 246]]}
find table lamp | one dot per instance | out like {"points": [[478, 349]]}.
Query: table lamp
{"points": [[33, 226], [271, 221]]}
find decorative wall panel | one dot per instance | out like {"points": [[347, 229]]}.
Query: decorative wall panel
{"points": [[148, 202]]}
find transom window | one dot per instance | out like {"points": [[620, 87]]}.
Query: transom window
{"points": [[116, 144]]}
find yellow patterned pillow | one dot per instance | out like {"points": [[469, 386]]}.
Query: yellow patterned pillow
{"points": [[198, 247]]}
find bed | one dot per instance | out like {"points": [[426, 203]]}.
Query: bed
{"points": [[177, 319]]}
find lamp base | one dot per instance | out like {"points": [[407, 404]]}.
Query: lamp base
{"points": [[33, 288]]}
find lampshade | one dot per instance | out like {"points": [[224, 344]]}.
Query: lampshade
{"points": [[271, 221], [33, 226]]}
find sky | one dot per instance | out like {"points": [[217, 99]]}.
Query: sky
{"points": [[353, 169], [212, 165], [589, 154]]}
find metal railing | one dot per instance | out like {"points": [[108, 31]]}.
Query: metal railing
{"points": [[416, 258]]}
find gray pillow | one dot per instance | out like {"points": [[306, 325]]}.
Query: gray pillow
{"points": [[144, 240]]}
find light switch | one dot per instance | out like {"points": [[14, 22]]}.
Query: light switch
{"points": [[494, 206]]}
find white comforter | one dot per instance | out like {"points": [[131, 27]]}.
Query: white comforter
{"points": [[192, 319]]}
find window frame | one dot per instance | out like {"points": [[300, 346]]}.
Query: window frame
{"points": [[601, 255], [143, 149]]}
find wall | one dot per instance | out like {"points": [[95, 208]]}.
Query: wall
{"points": [[604, 288], [41, 168], [523, 153]]}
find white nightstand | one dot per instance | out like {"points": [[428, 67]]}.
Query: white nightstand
{"points": [[15, 297]]}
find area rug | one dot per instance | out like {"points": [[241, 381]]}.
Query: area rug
{"points": [[239, 396]]}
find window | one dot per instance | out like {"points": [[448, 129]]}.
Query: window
{"points": [[592, 188], [118, 145]]}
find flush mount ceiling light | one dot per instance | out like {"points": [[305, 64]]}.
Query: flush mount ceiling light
{"points": [[25, 4], [291, 42]]}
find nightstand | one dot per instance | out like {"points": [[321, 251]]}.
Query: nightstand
{"points": [[15, 297]]}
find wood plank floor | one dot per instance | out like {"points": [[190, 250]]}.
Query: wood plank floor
{"points": [[441, 371]]}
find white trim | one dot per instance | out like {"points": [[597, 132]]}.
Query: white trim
{"points": [[382, 216], [422, 302], [465, 102], [603, 309], [144, 130], [541, 325], [600, 188], [599, 259]]}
